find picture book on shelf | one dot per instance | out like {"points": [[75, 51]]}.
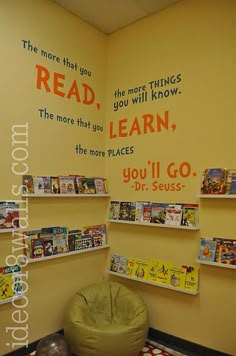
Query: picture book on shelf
{"points": [[60, 240], [122, 264], [47, 184], [158, 213], [214, 181], [66, 185], [124, 212], [163, 272], [37, 248], [115, 260], [132, 212], [225, 251], [99, 185], [140, 270], [152, 270], [192, 278], [207, 250], [139, 209], [85, 242], [10, 282], [174, 214], [114, 210], [38, 185], [146, 212], [98, 233], [9, 215], [28, 184], [190, 215], [88, 185], [54, 185], [73, 236], [130, 266], [28, 236], [231, 181], [176, 277]]}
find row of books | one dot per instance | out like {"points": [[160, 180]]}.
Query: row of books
{"points": [[9, 215], [157, 271], [10, 282], [56, 240], [179, 214], [71, 184], [220, 250], [218, 181]]}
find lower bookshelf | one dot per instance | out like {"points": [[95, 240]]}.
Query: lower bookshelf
{"points": [[42, 259], [9, 300], [215, 264], [153, 283]]}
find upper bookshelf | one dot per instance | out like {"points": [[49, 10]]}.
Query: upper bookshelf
{"points": [[49, 195], [10, 230], [217, 196], [153, 224]]}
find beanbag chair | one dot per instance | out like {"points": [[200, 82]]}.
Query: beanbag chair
{"points": [[106, 319]]}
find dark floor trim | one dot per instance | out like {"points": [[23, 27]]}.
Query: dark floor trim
{"points": [[187, 347]]}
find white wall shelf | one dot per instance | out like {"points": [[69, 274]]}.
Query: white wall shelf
{"points": [[9, 300], [10, 230], [65, 195], [217, 196], [153, 283], [216, 264], [43, 259], [155, 225]]}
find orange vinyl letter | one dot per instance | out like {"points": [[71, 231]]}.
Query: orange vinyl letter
{"points": [[57, 84], [148, 119], [122, 127], [42, 77], [111, 129], [74, 91], [86, 89], [135, 127]]}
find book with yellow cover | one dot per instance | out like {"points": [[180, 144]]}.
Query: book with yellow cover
{"points": [[177, 277], [130, 266], [140, 269], [163, 272], [192, 278], [152, 270]]}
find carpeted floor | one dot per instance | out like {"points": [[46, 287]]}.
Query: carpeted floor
{"points": [[151, 348]]}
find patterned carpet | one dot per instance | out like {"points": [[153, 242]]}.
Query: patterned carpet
{"points": [[151, 348]]}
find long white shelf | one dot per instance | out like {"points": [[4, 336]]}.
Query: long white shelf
{"points": [[10, 230], [9, 300], [217, 196], [216, 264], [49, 195], [152, 283], [152, 224], [42, 259]]}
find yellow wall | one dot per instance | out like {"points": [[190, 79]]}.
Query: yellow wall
{"points": [[195, 39], [51, 151], [192, 40]]}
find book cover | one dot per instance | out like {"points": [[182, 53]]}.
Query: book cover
{"points": [[10, 282], [38, 185], [9, 215], [28, 184], [139, 209], [192, 278], [114, 210], [207, 250], [174, 214], [146, 212], [99, 185], [158, 214], [132, 212], [163, 272], [60, 240], [98, 233], [46, 235], [214, 181], [190, 216], [130, 266], [231, 181], [124, 212], [140, 270], [28, 236], [85, 242], [122, 264], [37, 248], [152, 270], [66, 185], [177, 277], [73, 236], [47, 184], [227, 252], [54, 185], [115, 260], [88, 185]]}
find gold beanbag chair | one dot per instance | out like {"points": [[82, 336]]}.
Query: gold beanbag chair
{"points": [[106, 319]]}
